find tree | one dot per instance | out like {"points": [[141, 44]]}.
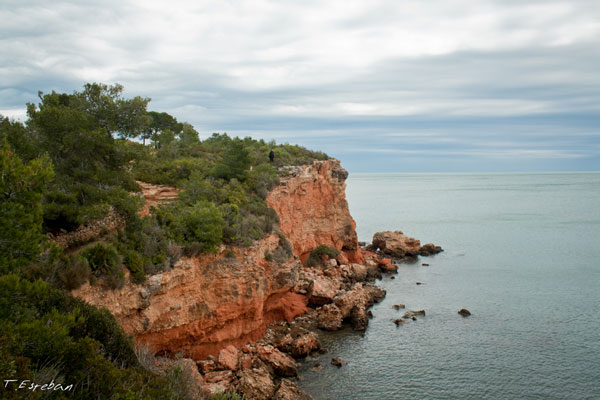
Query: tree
{"points": [[159, 123], [21, 191]]}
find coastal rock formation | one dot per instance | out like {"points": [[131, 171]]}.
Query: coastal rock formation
{"points": [[207, 303], [312, 209], [397, 244]]}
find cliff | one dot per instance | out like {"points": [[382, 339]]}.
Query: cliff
{"points": [[207, 303], [312, 209]]}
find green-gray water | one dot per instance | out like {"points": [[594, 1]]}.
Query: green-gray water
{"points": [[522, 253]]}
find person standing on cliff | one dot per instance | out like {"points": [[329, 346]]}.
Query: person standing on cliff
{"points": [[271, 155]]}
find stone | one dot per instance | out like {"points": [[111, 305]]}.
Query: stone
{"points": [[425, 265], [336, 361], [396, 244], [317, 367], [280, 363], [464, 312], [359, 272], [300, 344], [398, 321], [218, 376], [332, 263], [420, 283], [206, 366], [289, 390], [429, 249], [255, 384], [386, 265], [321, 291], [398, 306], [359, 319], [228, 358], [330, 318]]}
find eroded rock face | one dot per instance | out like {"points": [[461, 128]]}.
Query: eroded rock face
{"points": [[205, 304], [312, 209]]}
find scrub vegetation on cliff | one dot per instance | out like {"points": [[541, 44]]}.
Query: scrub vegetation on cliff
{"points": [[74, 162]]}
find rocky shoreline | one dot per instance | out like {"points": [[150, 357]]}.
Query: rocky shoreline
{"points": [[338, 295]]}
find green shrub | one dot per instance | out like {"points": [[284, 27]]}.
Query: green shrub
{"points": [[316, 255], [105, 263], [268, 256], [283, 250], [135, 264], [72, 272]]}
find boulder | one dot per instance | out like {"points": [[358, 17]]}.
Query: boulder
{"points": [[321, 291], [358, 272], [396, 244], [429, 249], [336, 361], [386, 265], [301, 344], [398, 306], [464, 312], [280, 363], [256, 384], [330, 318], [228, 358], [359, 319], [222, 377], [398, 321], [206, 366], [289, 390]]}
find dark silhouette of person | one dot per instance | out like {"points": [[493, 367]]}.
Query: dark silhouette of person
{"points": [[271, 155]]}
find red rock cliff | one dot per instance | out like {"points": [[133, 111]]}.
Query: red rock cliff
{"points": [[312, 208], [207, 303]]}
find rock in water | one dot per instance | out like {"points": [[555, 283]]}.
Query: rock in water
{"points": [[336, 361], [396, 244], [398, 321], [464, 312], [398, 306]]}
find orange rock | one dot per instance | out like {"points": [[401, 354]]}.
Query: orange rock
{"points": [[313, 210], [205, 304], [228, 358]]}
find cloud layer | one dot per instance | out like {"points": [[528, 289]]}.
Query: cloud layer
{"points": [[383, 85]]}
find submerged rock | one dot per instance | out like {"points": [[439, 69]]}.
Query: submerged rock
{"points": [[464, 312], [336, 361], [398, 306], [398, 321]]}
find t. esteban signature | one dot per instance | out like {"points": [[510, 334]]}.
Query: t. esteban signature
{"points": [[29, 385]]}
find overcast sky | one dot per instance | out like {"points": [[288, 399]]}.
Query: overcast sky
{"points": [[385, 86]]}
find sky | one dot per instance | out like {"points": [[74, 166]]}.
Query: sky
{"points": [[382, 85]]}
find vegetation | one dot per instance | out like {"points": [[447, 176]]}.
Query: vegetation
{"points": [[317, 254], [73, 162]]}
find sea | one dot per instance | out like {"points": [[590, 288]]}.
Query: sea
{"points": [[521, 253]]}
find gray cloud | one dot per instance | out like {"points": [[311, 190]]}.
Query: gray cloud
{"points": [[426, 80]]}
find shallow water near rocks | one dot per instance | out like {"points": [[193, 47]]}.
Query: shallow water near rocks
{"points": [[522, 253]]}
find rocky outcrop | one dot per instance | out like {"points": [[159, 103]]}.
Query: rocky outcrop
{"points": [[396, 244], [86, 233], [207, 303], [312, 209], [156, 194]]}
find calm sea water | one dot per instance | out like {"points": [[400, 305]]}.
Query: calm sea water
{"points": [[522, 253]]}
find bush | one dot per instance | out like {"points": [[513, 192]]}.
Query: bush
{"points": [[283, 250], [268, 256], [105, 263], [316, 256], [201, 224], [72, 272], [135, 264]]}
